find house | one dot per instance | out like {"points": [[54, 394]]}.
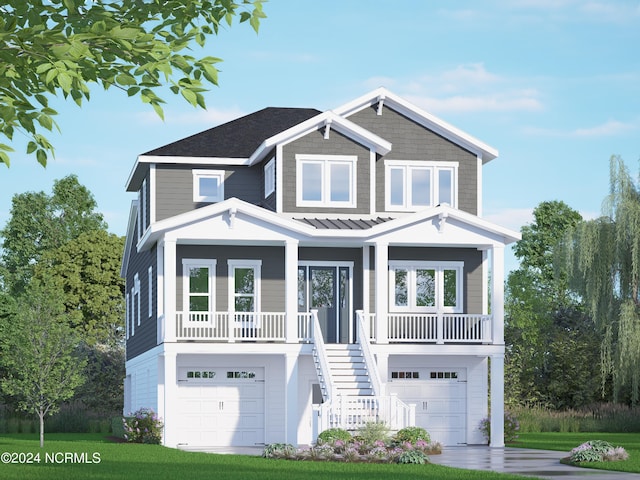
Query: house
{"points": [[295, 270]]}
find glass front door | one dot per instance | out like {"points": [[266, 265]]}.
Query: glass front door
{"points": [[327, 290]]}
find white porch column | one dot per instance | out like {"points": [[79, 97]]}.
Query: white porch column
{"points": [[497, 401], [291, 291], [168, 408], [382, 291], [160, 274], [291, 398], [169, 247], [366, 278], [497, 294]]}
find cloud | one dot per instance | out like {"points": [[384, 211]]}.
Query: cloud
{"points": [[465, 88], [512, 218], [209, 117], [611, 128]]}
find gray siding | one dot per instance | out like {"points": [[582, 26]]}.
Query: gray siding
{"points": [[272, 272], [413, 142], [472, 259], [145, 336], [314, 143], [174, 187]]}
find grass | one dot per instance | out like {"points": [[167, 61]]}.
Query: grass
{"points": [[566, 441], [153, 462]]}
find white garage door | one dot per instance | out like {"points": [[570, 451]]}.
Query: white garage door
{"points": [[440, 397], [221, 406]]}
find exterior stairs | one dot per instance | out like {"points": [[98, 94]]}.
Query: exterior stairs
{"points": [[348, 370]]}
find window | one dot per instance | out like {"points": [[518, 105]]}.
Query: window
{"points": [[426, 286], [405, 375], [443, 375], [135, 296], [326, 180], [244, 285], [198, 280], [412, 185], [208, 185], [150, 291], [270, 177]]}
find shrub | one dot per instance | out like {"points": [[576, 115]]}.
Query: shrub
{"points": [[279, 450], [597, 451], [333, 434], [413, 456], [373, 432], [511, 427], [412, 435], [143, 426]]}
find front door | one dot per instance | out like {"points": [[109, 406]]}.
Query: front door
{"points": [[326, 288]]}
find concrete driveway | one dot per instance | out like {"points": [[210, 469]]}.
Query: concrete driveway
{"points": [[522, 461]]}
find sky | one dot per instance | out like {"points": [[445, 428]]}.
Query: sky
{"points": [[553, 85]]}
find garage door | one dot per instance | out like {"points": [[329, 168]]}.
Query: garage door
{"points": [[221, 406], [440, 397]]}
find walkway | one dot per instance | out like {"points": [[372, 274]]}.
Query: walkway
{"points": [[522, 461]]}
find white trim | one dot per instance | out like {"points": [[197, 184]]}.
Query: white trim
{"points": [[408, 166], [152, 193], [279, 179], [256, 265], [127, 317], [144, 204], [439, 266], [269, 177], [209, 263], [372, 182], [479, 186], [200, 174], [325, 162]]}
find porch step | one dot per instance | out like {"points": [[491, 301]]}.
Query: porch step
{"points": [[348, 370]]}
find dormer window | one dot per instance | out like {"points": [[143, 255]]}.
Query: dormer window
{"points": [[411, 185], [326, 181], [208, 186]]}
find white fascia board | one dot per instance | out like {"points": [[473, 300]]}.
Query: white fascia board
{"points": [[160, 159], [344, 126], [131, 225], [444, 211], [445, 129]]}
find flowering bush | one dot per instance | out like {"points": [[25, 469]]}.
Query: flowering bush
{"points": [[143, 426], [597, 451], [279, 450], [333, 434], [412, 434], [511, 427]]}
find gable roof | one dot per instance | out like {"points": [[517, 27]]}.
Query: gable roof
{"points": [[439, 126], [238, 138]]}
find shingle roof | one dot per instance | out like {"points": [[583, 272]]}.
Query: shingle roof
{"points": [[238, 138], [343, 224]]}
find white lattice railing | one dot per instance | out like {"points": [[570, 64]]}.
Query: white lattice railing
{"points": [[230, 326], [363, 339], [352, 413], [305, 325], [436, 327]]}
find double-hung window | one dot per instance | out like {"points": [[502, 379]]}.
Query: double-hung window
{"points": [[326, 181], [208, 186], [411, 185], [244, 288], [198, 279], [425, 286]]}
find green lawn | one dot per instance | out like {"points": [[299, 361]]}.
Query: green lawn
{"points": [[153, 462], [567, 441]]}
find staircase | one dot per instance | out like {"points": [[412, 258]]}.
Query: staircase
{"points": [[348, 370]]}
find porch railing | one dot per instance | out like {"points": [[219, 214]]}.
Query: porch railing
{"points": [[352, 413], [320, 359], [436, 327], [363, 339]]}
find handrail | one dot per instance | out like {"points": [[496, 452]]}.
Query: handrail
{"points": [[372, 366], [321, 353]]}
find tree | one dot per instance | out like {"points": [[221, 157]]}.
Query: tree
{"points": [[603, 260], [545, 328], [52, 47], [87, 270], [41, 222], [38, 354]]}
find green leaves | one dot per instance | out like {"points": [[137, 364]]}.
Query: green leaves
{"points": [[61, 47]]}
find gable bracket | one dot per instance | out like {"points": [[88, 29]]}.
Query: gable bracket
{"points": [[380, 104], [327, 129], [442, 218], [232, 217]]}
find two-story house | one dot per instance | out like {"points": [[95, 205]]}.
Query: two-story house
{"points": [[295, 270]]}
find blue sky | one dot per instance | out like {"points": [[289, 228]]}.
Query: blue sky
{"points": [[554, 85]]}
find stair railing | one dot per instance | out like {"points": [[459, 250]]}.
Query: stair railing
{"points": [[372, 368], [320, 356]]}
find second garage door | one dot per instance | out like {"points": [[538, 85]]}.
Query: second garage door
{"points": [[221, 406], [440, 397]]}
